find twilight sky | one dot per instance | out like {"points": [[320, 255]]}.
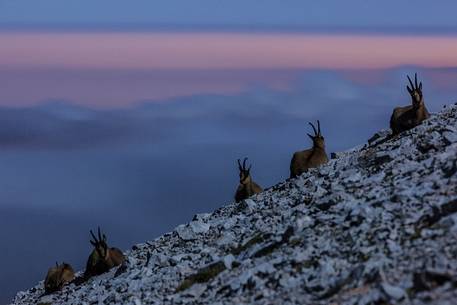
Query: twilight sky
{"points": [[118, 113], [111, 53], [120, 69]]}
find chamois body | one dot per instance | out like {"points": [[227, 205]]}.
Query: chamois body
{"points": [[407, 117], [309, 158], [57, 277], [247, 186], [102, 258]]}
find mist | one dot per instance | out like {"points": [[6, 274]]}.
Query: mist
{"points": [[139, 171]]}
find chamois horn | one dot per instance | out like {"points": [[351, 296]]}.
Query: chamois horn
{"points": [[314, 128], [410, 82], [93, 237]]}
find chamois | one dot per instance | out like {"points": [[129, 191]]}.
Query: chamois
{"points": [[313, 157], [247, 186], [57, 277], [102, 258], [404, 118]]}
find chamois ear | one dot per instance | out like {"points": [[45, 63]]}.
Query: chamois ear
{"points": [[318, 127], [420, 86], [410, 91], [312, 138], [415, 80]]}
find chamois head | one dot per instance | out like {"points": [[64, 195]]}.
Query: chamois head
{"points": [[57, 277], [245, 173], [102, 258], [318, 139], [415, 91], [100, 244]]}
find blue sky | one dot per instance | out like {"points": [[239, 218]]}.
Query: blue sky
{"points": [[234, 13]]}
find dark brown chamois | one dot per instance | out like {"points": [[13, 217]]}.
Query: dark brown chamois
{"points": [[407, 117], [102, 258], [313, 157], [57, 277], [247, 186]]}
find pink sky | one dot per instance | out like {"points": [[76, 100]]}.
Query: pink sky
{"points": [[117, 69], [106, 88], [222, 51]]}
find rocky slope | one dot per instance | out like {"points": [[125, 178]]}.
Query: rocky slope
{"points": [[376, 225]]}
